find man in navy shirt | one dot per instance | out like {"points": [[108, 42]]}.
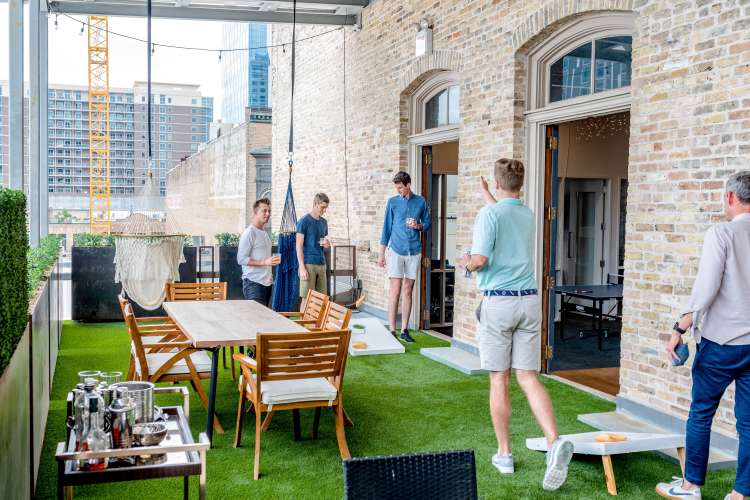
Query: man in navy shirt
{"points": [[406, 217], [312, 230]]}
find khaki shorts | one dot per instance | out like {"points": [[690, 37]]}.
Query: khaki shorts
{"points": [[401, 266], [316, 280], [509, 333]]}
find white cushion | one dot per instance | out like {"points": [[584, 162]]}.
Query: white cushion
{"points": [[276, 392], [200, 359]]}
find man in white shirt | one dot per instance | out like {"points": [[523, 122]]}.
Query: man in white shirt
{"points": [[254, 255], [719, 312]]}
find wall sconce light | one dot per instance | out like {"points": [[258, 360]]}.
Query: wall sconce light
{"points": [[423, 45]]}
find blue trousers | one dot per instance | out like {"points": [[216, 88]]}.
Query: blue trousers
{"points": [[715, 367]]}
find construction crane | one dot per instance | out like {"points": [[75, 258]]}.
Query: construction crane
{"points": [[99, 184]]}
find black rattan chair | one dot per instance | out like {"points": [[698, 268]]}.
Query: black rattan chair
{"points": [[445, 475]]}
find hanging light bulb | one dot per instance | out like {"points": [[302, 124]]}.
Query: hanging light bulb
{"points": [[83, 25], [55, 21], [153, 48], [219, 56]]}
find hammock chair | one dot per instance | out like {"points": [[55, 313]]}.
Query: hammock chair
{"points": [[285, 286], [148, 246]]}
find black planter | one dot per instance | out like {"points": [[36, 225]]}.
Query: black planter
{"points": [[94, 289], [230, 272]]}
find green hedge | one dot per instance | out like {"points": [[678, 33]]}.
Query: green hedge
{"points": [[227, 239], [14, 297], [40, 260], [93, 240]]}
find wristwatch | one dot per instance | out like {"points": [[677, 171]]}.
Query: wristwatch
{"points": [[676, 327]]}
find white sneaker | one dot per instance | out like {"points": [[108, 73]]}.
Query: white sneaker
{"points": [[503, 463], [558, 458], [674, 490]]}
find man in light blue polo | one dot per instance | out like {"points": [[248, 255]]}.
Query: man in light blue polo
{"points": [[406, 217], [509, 334]]}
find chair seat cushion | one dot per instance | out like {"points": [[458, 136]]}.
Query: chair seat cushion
{"points": [[200, 359], [276, 392]]}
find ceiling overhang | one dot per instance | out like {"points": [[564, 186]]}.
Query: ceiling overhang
{"points": [[340, 13]]}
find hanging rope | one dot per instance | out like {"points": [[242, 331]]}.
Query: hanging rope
{"points": [[148, 78], [286, 282]]}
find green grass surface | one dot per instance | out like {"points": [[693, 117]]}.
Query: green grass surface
{"points": [[399, 404]]}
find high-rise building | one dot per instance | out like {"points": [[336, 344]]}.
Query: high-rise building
{"points": [[244, 76], [180, 117]]}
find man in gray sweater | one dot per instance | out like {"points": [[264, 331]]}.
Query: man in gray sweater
{"points": [[719, 312]]}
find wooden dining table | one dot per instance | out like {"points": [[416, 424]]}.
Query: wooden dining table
{"points": [[213, 324]]}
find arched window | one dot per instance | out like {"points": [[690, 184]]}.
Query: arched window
{"points": [[442, 108], [585, 58], [436, 104], [602, 64]]}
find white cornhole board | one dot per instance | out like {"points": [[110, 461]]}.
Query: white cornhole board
{"points": [[586, 444], [377, 337]]}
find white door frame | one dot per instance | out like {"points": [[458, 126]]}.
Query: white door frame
{"points": [[535, 122], [416, 141]]}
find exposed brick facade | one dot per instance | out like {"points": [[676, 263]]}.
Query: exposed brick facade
{"points": [[690, 128]]}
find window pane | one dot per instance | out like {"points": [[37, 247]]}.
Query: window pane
{"points": [[453, 102], [432, 111], [570, 76], [613, 57]]}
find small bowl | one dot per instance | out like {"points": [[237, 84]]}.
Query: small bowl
{"points": [[358, 329], [149, 434]]}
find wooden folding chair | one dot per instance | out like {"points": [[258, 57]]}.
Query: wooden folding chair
{"points": [[293, 371], [337, 317], [182, 362], [154, 329], [202, 291], [312, 316]]}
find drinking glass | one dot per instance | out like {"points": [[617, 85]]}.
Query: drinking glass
{"points": [[322, 241], [410, 221], [467, 273], [110, 377], [93, 374]]}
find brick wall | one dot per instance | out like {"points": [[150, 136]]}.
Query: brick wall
{"points": [[690, 125], [206, 192]]}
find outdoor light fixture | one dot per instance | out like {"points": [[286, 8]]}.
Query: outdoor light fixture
{"points": [[219, 56], [82, 26], [423, 44]]}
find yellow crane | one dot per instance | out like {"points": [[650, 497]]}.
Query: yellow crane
{"points": [[99, 185]]}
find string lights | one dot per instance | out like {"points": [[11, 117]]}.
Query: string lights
{"points": [[85, 24], [602, 127]]}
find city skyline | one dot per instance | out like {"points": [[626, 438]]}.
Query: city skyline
{"points": [[68, 52]]}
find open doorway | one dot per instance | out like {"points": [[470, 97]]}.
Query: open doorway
{"points": [[586, 172], [438, 277]]}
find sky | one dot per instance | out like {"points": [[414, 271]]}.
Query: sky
{"points": [[68, 51]]}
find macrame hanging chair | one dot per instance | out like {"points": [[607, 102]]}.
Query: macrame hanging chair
{"points": [[148, 244], [285, 286]]}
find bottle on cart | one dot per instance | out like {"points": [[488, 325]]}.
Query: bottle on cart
{"points": [[80, 410], [94, 438]]}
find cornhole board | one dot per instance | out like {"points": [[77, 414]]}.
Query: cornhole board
{"points": [[377, 337], [586, 444]]}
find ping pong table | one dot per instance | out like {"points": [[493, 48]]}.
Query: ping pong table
{"points": [[597, 294]]}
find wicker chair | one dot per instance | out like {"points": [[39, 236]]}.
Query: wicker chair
{"points": [[445, 475]]}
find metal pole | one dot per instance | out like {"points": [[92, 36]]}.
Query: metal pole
{"points": [[43, 126], [15, 102], [34, 125]]}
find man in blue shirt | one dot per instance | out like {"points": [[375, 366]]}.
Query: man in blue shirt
{"points": [[406, 217], [312, 230], [509, 334]]}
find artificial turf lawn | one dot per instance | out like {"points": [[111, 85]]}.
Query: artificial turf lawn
{"points": [[399, 404]]}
